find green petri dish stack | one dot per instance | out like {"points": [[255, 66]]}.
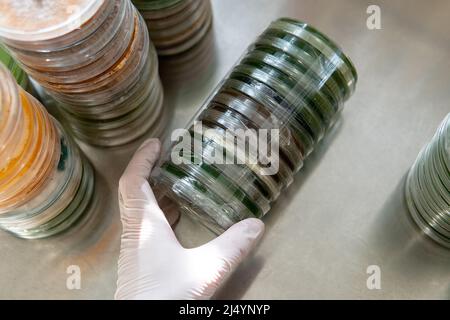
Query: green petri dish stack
{"points": [[95, 59], [46, 184], [17, 72], [290, 85], [428, 187], [175, 26]]}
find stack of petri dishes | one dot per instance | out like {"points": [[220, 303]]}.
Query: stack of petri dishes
{"points": [[293, 80], [94, 57], [18, 73], [45, 183], [428, 187], [195, 63], [175, 26]]}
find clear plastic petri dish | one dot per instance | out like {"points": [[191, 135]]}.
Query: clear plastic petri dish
{"points": [[128, 133], [428, 207], [430, 173], [299, 86], [422, 210], [54, 197], [177, 28], [136, 95], [33, 171], [183, 26], [97, 103], [230, 121], [259, 117], [26, 156], [315, 64], [302, 114], [130, 115], [444, 144], [190, 38], [90, 76], [221, 186], [165, 6], [301, 73], [262, 95], [297, 100], [191, 10], [198, 59], [26, 23], [143, 109], [65, 175], [274, 182], [314, 42], [423, 224], [88, 49], [239, 176], [192, 191], [76, 208]]}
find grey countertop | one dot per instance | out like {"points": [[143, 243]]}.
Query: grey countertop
{"points": [[346, 209]]}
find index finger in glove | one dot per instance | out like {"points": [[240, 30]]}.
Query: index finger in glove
{"points": [[133, 184]]}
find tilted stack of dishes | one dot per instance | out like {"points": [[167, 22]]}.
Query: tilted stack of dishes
{"points": [[292, 81]]}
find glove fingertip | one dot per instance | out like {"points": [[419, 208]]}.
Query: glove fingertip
{"points": [[151, 143], [252, 227]]}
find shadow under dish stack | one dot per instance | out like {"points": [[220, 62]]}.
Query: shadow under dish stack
{"points": [[45, 182], [176, 26], [292, 78], [428, 187], [94, 57]]}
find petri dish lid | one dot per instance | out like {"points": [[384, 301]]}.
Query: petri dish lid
{"points": [[156, 4], [446, 134], [38, 20]]}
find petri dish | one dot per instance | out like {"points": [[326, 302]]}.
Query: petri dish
{"points": [[26, 21]]}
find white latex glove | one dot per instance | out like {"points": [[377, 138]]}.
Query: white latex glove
{"points": [[152, 263]]}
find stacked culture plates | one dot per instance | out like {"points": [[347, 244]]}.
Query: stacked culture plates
{"points": [[428, 187], [94, 57], [293, 79], [45, 183], [175, 26]]}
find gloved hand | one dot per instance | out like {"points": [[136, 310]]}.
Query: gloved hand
{"points": [[152, 263]]}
